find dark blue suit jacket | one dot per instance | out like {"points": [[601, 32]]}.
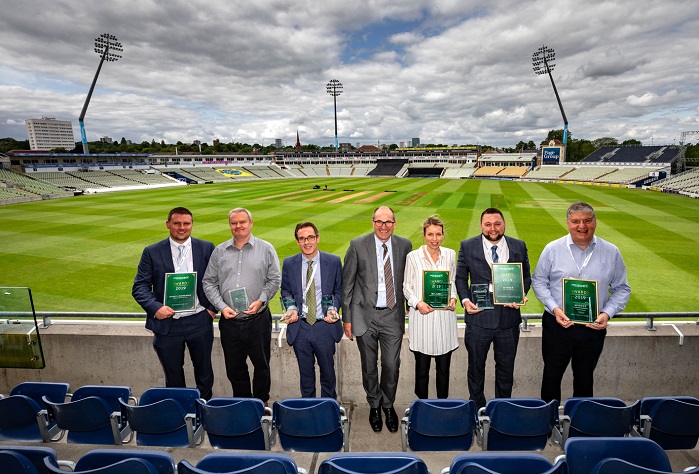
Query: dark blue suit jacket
{"points": [[331, 284], [149, 285], [472, 267]]}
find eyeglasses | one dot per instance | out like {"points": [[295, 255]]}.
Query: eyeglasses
{"points": [[309, 239], [384, 223], [586, 221]]}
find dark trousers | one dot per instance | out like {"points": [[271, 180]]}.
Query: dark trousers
{"points": [[240, 340], [478, 341], [197, 333], [315, 343], [559, 346], [422, 374]]}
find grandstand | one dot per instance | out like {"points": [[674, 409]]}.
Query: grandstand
{"points": [[31, 186], [588, 173], [550, 172], [487, 171], [686, 183]]}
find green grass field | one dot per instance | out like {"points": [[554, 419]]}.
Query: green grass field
{"points": [[80, 254]]}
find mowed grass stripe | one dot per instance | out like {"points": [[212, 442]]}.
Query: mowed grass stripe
{"points": [[81, 253]]}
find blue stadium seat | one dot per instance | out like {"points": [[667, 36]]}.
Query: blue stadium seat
{"points": [[237, 423], [582, 454], [34, 455], [594, 416], [373, 463], [505, 463], [241, 463], [439, 425], [93, 415], [121, 461], [311, 425], [619, 466], [517, 424], [672, 422], [24, 416], [165, 417]]}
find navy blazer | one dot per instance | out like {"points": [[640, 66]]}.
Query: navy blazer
{"points": [[472, 267], [149, 285], [330, 282]]}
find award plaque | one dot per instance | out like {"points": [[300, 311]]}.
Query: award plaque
{"points": [[480, 295], [580, 300], [181, 291], [508, 284], [435, 288], [239, 299]]}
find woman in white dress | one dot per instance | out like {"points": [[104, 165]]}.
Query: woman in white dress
{"points": [[431, 331]]}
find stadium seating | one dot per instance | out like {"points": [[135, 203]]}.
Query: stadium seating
{"points": [[93, 415], [672, 422], [237, 423], [594, 416], [439, 425], [518, 424], [373, 463], [311, 425], [241, 463], [24, 416], [583, 454], [619, 466], [120, 461], [165, 417], [29, 459], [504, 463]]}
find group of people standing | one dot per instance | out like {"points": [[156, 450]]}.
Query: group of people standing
{"points": [[381, 278]]}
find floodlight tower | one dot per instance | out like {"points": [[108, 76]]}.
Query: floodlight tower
{"points": [[542, 61], [334, 88], [105, 46]]}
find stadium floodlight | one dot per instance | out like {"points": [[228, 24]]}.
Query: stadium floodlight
{"points": [[543, 63], [107, 47], [334, 88]]}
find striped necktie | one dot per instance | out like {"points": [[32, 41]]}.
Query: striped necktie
{"points": [[388, 278]]}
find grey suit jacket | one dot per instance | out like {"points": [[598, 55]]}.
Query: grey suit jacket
{"points": [[360, 282], [472, 267]]}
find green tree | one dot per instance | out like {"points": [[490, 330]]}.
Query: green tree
{"points": [[631, 142], [605, 141]]}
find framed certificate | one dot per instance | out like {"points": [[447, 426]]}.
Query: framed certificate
{"points": [[181, 291], [239, 299], [436, 288], [480, 295], [580, 300], [508, 283]]}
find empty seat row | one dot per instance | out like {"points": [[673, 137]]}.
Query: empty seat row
{"points": [[582, 456], [525, 424]]}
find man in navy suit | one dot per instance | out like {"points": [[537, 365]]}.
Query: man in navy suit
{"points": [[180, 253], [309, 278], [498, 326]]}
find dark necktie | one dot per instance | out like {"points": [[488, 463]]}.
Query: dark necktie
{"points": [[310, 295], [494, 248], [388, 279]]}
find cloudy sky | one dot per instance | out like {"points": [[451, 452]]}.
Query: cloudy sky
{"points": [[447, 71]]}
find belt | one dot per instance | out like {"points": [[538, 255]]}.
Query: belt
{"points": [[248, 318], [380, 308]]}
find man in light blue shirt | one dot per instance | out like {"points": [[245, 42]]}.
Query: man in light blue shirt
{"points": [[583, 256]]}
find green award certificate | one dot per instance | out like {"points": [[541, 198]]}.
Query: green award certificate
{"points": [[580, 300], [480, 295], [239, 299], [435, 288], [181, 291], [508, 284]]}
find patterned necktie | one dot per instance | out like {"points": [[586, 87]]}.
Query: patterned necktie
{"points": [[180, 255], [494, 248], [310, 295], [388, 278]]}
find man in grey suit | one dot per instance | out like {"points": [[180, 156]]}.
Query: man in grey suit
{"points": [[498, 326], [373, 309]]}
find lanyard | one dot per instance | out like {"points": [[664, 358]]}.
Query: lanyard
{"points": [[181, 261], [587, 260], [432, 263], [311, 280]]}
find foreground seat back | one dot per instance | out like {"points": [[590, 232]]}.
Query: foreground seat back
{"points": [[602, 416], [672, 422], [619, 466], [241, 463], [439, 425], [126, 461], [33, 454], [373, 463], [165, 417], [92, 415], [518, 424], [236, 423], [311, 425], [582, 454], [504, 463], [23, 415]]}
